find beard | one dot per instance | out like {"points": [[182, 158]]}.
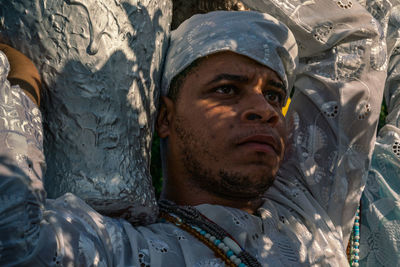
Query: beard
{"points": [[196, 153]]}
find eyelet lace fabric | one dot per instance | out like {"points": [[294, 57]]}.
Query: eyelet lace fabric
{"points": [[380, 214]]}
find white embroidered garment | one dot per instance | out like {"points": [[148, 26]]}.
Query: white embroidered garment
{"points": [[380, 203], [308, 212]]}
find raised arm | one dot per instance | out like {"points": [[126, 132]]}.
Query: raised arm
{"points": [[380, 203], [21, 168], [33, 232], [335, 108]]}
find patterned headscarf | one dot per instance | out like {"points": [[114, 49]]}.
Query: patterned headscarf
{"points": [[255, 35]]}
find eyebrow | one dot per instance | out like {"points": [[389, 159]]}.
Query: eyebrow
{"points": [[277, 85], [241, 78], [229, 77]]}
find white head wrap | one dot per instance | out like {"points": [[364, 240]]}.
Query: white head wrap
{"points": [[255, 35]]}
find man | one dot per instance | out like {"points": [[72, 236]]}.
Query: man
{"points": [[226, 78]]}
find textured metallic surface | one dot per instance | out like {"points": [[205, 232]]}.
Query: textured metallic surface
{"points": [[100, 62]]}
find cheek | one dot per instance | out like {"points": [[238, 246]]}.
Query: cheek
{"points": [[221, 118], [210, 122]]}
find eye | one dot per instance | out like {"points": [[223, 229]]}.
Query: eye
{"points": [[274, 97], [226, 89]]}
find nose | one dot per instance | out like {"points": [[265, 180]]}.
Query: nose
{"points": [[258, 109]]}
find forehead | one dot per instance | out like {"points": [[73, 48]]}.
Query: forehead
{"points": [[231, 62]]}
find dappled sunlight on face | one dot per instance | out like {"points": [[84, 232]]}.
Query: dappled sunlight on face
{"points": [[228, 125]]}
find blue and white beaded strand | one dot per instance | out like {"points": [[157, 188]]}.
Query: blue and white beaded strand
{"points": [[230, 247], [192, 221], [355, 249]]}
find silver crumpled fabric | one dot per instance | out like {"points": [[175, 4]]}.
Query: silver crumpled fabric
{"points": [[100, 64]]}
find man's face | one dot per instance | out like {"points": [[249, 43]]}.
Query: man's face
{"points": [[226, 129]]}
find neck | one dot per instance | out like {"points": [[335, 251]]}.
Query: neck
{"points": [[192, 195]]}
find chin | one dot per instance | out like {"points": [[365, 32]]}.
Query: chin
{"points": [[245, 185]]}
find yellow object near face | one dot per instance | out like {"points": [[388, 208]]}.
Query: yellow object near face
{"points": [[286, 107]]}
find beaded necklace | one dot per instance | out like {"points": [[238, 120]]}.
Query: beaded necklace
{"points": [[208, 232], [355, 241]]}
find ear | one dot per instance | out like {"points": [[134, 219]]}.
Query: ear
{"points": [[165, 116]]}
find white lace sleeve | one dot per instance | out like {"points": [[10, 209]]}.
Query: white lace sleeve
{"points": [[335, 107], [380, 203], [21, 169]]}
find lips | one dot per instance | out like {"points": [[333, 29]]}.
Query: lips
{"points": [[260, 143]]}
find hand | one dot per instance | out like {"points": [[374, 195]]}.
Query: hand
{"points": [[23, 73]]}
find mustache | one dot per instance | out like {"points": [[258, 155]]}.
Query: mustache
{"points": [[278, 140]]}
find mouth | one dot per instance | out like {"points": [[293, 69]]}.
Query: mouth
{"points": [[260, 143]]}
